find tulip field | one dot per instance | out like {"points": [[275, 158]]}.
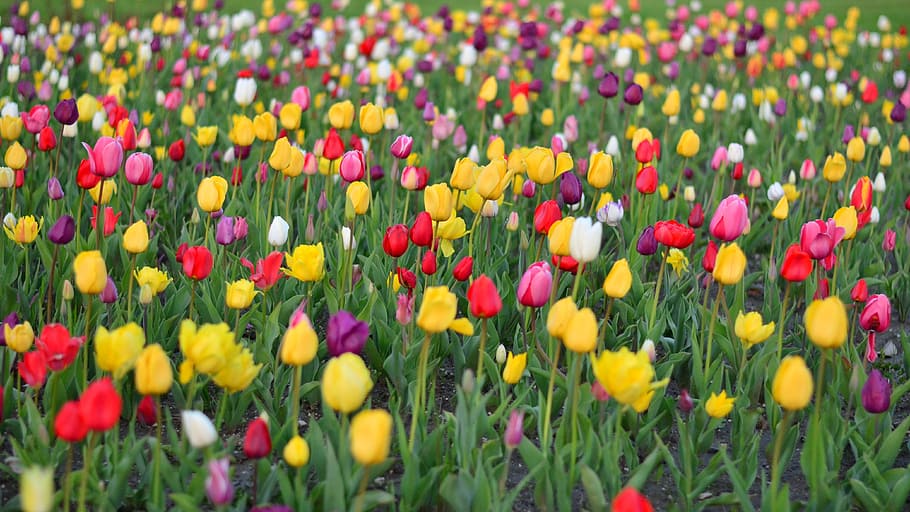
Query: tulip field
{"points": [[292, 256]]}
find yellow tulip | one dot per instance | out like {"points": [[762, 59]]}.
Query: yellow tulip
{"points": [[688, 144], [619, 280], [463, 174], [750, 330], [438, 309], [547, 117], [845, 217], [26, 229], [155, 279], [136, 238], [242, 133], [208, 347], [885, 159], [792, 385], [341, 115], [15, 157], [116, 351], [281, 154], [297, 452], [345, 383], [90, 272], [515, 367], [299, 344], [211, 193], [626, 376], [307, 263], [289, 116], [240, 294], [559, 234], [600, 170], [559, 317], [371, 119], [781, 209], [856, 149], [19, 338], [835, 167], [437, 201], [719, 406], [265, 126], [103, 196], [36, 489], [826, 322], [358, 195], [371, 436], [488, 89], [581, 332], [154, 375], [671, 104], [10, 127], [238, 372], [205, 135], [729, 265]]}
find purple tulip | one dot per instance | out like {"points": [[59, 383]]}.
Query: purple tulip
{"points": [[685, 402], [849, 133], [780, 108], [63, 231], [224, 232], [709, 47], [346, 334], [54, 190], [570, 188], [66, 112], [609, 85], [633, 94], [109, 294], [876, 393], [899, 113], [647, 244], [218, 484]]}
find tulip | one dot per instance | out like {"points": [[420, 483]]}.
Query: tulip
{"points": [[719, 406], [69, 424], [36, 489], [265, 126], [876, 394], [876, 315], [514, 429], [58, 349], [153, 371], [438, 310], [626, 376], [116, 351], [797, 264], [240, 294], [673, 234], [136, 238], [278, 232], [18, 337], [889, 240], [438, 202], [371, 436], [730, 219], [619, 280], [299, 344], [257, 443], [346, 334], [33, 369], [688, 144], [545, 215], [585, 239], [346, 383], [341, 115], [535, 285], [581, 332], [826, 323], [729, 265], [647, 243], [54, 189], [463, 269], [371, 119], [395, 241], [646, 180], [199, 430], [600, 170], [559, 316], [197, 262], [90, 272], [750, 330], [105, 158], [352, 167], [514, 368], [856, 149], [218, 486], [15, 157], [296, 452], [224, 231], [211, 193], [307, 263], [792, 385], [25, 230], [100, 405], [401, 147], [834, 168], [685, 402], [629, 499], [819, 238]]}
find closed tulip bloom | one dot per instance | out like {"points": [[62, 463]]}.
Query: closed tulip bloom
{"points": [[257, 443], [541, 166], [826, 322], [559, 316], [138, 169], [581, 332], [100, 405], [856, 149], [585, 240], [792, 385], [515, 367], [876, 393], [352, 167], [402, 146], [197, 262], [371, 119], [278, 232], [240, 294], [670, 106], [69, 424], [211, 193], [630, 500], [750, 330], [730, 219], [646, 180], [688, 144], [280, 158], [488, 89], [729, 265], [345, 333], [265, 126], [19, 338], [205, 135], [876, 315], [224, 231], [90, 272], [535, 285], [299, 344], [438, 309], [105, 158], [559, 236], [307, 263], [846, 218], [371, 436], [36, 489], [341, 115], [116, 351], [199, 430], [437, 200], [600, 170], [136, 238], [647, 242], [619, 280], [296, 452], [358, 196], [835, 167], [719, 406], [782, 209], [345, 383], [218, 486], [154, 375], [797, 264], [15, 157], [545, 215], [289, 116], [483, 298], [395, 241]]}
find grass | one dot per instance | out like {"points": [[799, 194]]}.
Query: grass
{"points": [[871, 9]]}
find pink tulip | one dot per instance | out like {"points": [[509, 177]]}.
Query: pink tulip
{"points": [[889, 241], [173, 99], [807, 170], [138, 168], [105, 158], [36, 118], [352, 166], [720, 158], [301, 96], [730, 219], [819, 238], [402, 146], [876, 315], [754, 179], [534, 287]]}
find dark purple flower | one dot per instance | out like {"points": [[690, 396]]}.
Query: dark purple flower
{"points": [[609, 85], [109, 294], [849, 133], [377, 172], [899, 113], [685, 402], [780, 108], [570, 188], [63, 231], [876, 393], [709, 46], [346, 334], [633, 94], [66, 112], [647, 244]]}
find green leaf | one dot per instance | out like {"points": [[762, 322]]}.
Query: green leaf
{"points": [[594, 491], [891, 446]]}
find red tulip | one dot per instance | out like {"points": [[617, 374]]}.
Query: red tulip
{"points": [[100, 405], [333, 147], [69, 424], [422, 230], [870, 93], [395, 241], [47, 140], [860, 291], [545, 215], [407, 278], [147, 412], [463, 269], [797, 264], [176, 151], [565, 263], [110, 219], [33, 369], [428, 265], [197, 262], [158, 181], [257, 443], [673, 234], [696, 216], [707, 261], [57, 348], [181, 250], [126, 132], [646, 180], [822, 291], [85, 178], [643, 152], [265, 274], [630, 500], [483, 297]]}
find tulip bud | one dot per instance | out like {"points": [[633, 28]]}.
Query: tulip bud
{"points": [[68, 292], [199, 430], [468, 380], [684, 402], [146, 295], [648, 348], [514, 430], [278, 232]]}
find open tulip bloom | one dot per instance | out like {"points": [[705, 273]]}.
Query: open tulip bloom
{"points": [[525, 255]]}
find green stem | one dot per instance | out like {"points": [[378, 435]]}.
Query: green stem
{"points": [[361, 491], [86, 471], [660, 280], [775, 458], [481, 351], [717, 301], [156, 476], [581, 269], [549, 407], [780, 322], [575, 376], [295, 397], [421, 377]]}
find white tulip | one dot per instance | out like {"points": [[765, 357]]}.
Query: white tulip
{"points": [[200, 431], [584, 243], [71, 130], [750, 139], [874, 138], [612, 148], [501, 355], [95, 63], [245, 91], [735, 153], [278, 232], [878, 185], [648, 348], [875, 216], [12, 73], [899, 78], [347, 240], [775, 192], [490, 208], [9, 220], [689, 193], [816, 94]]}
